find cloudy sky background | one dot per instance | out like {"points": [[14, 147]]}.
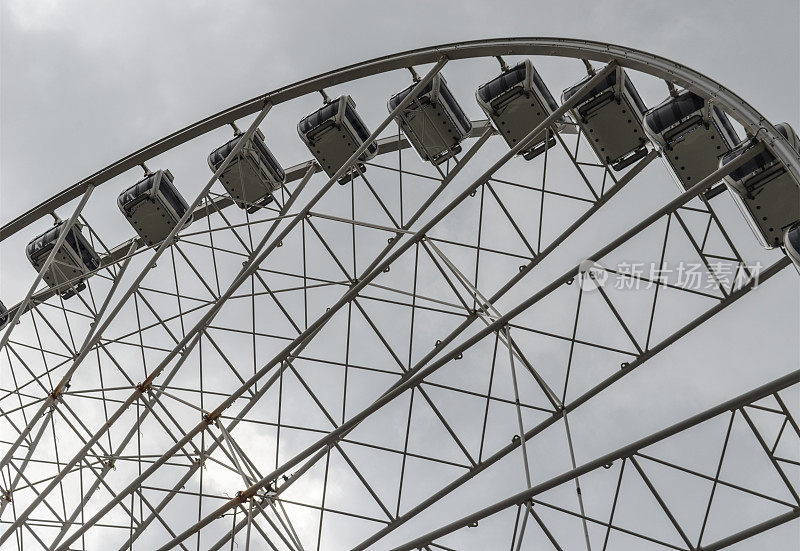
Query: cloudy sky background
{"points": [[85, 83], [102, 79]]}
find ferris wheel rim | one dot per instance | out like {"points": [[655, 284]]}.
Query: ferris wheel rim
{"points": [[266, 106], [626, 57]]}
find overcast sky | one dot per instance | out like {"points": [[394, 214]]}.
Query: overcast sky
{"points": [[89, 82], [85, 83]]}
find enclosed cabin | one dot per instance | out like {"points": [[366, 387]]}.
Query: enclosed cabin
{"points": [[333, 134], [610, 115], [692, 134], [433, 122], [153, 206], [766, 193], [517, 102], [791, 244], [253, 176], [3, 314], [73, 262]]}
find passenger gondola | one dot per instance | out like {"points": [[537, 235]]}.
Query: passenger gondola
{"points": [[153, 206], [434, 122], [610, 116], [3, 314], [692, 134], [73, 262], [765, 192], [791, 244], [253, 176], [517, 102], [333, 134]]}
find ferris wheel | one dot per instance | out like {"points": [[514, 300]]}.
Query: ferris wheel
{"points": [[396, 323]]}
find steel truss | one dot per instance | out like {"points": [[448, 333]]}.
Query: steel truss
{"points": [[318, 323], [766, 400]]}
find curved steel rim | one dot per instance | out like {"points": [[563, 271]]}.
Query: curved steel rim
{"points": [[629, 58]]}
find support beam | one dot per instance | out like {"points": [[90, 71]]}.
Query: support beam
{"points": [[276, 376], [421, 371], [66, 228], [373, 271], [94, 336], [626, 451], [572, 406], [258, 256]]}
